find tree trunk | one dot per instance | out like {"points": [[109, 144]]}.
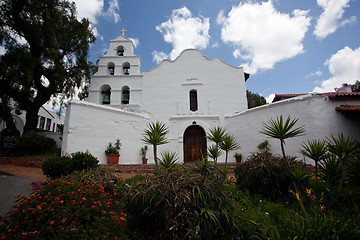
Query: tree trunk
{"points": [[6, 112], [155, 157], [31, 119], [226, 157]]}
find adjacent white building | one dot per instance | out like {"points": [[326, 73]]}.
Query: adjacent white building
{"points": [[190, 95]]}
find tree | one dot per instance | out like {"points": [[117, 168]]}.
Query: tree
{"points": [[228, 144], [46, 53], [356, 86], [254, 99], [216, 135], [155, 134]]}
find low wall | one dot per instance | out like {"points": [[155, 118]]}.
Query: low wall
{"points": [[35, 161]]}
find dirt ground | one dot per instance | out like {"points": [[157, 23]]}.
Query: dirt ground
{"points": [[37, 174]]}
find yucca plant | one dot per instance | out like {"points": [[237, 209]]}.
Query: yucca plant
{"points": [[168, 159], [345, 148], [216, 135], [155, 134], [214, 152], [331, 170], [316, 150], [228, 144], [282, 129]]}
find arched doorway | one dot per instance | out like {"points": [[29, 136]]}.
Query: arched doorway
{"points": [[194, 143]]}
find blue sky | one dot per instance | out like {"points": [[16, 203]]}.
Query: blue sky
{"points": [[288, 46]]}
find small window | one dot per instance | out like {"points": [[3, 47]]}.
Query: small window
{"points": [[125, 97], [120, 51], [48, 124], [126, 68], [193, 100], [42, 123]]}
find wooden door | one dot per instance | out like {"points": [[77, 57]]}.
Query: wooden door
{"points": [[194, 143]]}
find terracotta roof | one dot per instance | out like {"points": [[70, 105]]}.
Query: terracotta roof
{"points": [[348, 108], [279, 97]]}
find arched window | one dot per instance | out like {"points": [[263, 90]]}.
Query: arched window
{"points": [[111, 67], [125, 96], [120, 51], [126, 67], [193, 100], [105, 94]]}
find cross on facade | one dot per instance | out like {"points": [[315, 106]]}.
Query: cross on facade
{"points": [[123, 31]]}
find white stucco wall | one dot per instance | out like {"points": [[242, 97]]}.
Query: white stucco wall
{"points": [[317, 112], [91, 127]]}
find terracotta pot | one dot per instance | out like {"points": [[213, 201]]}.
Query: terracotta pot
{"points": [[112, 159], [144, 160], [238, 159]]}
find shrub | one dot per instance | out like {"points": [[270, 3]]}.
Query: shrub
{"points": [[83, 160], [61, 166], [32, 143], [267, 176], [65, 209], [181, 204], [56, 167]]}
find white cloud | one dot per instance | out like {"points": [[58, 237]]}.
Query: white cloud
{"points": [[135, 41], [344, 66], [263, 34], [184, 31], [159, 56], [328, 22], [93, 9], [113, 10], [314, 74]]}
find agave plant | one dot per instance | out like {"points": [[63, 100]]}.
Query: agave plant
{"points": [[168, 159], [155, 134], [228, 144], [216, 135], [316, 150]]}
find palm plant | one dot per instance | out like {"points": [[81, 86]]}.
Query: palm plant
{"points": [[228, 144], [345, 148], [168, 159], [282, 130], [214, 152], [155, 134], [316, 150], [216, 135]]}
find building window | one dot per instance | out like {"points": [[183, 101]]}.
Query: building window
{"points": [[125, 96], [126, 68], [193, 100], [120, 51], [42, 122], [105, 94], [111, 67], [48, 124], [59, 128]]}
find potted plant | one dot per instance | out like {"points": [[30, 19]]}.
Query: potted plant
{"points": [[238, 157], [112, 152], [143, 154]]}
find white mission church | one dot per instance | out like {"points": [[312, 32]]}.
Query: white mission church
{"points": [[190, 95]]}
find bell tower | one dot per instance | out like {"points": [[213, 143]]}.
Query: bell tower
{"points": [[118, 80]]}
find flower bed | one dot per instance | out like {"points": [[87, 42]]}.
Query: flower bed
{"points": [[66, 209]]}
